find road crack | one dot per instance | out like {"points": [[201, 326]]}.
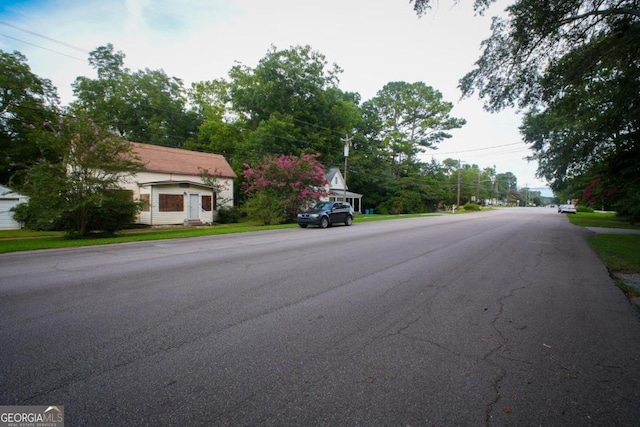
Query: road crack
{"points": [[502, 343]]}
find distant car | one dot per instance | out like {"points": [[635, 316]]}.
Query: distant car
{"points": [[325, 214], [567, 209]]}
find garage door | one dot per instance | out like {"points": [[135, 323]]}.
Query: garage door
{"points": [[6, 216]]}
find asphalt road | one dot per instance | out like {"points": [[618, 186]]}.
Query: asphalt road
{"points": [[496, 318]]}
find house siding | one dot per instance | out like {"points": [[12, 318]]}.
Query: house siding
{"points": [[6, 216], [185, 185], [8, 200], [336, 188]]}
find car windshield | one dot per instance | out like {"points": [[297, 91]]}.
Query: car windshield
{"points": [[322, 206]]}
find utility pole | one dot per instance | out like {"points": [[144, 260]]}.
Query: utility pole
{"points": [[478, 189], [458, 202], [347, 144]]}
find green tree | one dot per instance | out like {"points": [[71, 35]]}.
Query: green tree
{"points": [[290, 104], [413, 117], [26, 102], [467, 182], [143, 106], [591, 122], [504, 183], [218, 131], [574, 66], [369, 169], [78, 192], [437, 175]]}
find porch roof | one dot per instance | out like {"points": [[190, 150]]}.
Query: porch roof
{"points": [[340, 193], [167, 183]]}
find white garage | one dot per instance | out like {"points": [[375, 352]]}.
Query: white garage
{"points": [[9, 199]]}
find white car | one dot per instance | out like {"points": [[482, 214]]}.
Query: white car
{"points": [[567, 209]]}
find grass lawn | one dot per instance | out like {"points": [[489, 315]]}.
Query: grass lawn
{"points": [[596, 219], [619, 252], [27, 240]]}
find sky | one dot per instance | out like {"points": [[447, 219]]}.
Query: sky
{"points": [[374, 41]]}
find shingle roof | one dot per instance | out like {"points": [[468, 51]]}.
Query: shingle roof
{"points": [[178, 161], [332, 172]]}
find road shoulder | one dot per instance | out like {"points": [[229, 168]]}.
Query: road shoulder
{"points": [[630, 280]]}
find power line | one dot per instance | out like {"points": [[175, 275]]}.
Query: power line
{"points": [[318, 126], [45, 48], [479, 149], [33, 33]]}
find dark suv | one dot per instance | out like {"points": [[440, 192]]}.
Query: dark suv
{"points": [[324, 214]]}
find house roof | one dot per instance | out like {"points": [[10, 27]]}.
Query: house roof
{"points": [[332, 172], [8, 194], [157, 158], [330, 179]]}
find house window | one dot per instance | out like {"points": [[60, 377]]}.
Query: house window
{"points": [[210, 203], [171, 202], [144, 199], [207, 203]]}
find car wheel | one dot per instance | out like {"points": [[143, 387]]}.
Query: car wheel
{"points": [[349, 220], [303, 225], [324, 222]]}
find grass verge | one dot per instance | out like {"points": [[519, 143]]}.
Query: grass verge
{"points": [[597, 219], [619, 252], [32, 241], [27, 240]]}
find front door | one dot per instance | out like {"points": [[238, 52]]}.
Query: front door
{"points": [[194, 206]]}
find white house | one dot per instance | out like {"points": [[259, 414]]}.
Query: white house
{"points": [[171, 185], [338, 189], [9, 199]]}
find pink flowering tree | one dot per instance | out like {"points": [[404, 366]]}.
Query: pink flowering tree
{"points": [[279, 187], [597, 193]]}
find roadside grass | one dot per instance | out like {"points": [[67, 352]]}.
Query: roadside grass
{"points": [[25, 234], [27, 240], [13, 241], [619, 252], [597, 219]]}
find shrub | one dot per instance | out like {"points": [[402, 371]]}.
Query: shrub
{"points": [[229, 215], [266, 209], [114, 213], [31, 216], [471, 207]]}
